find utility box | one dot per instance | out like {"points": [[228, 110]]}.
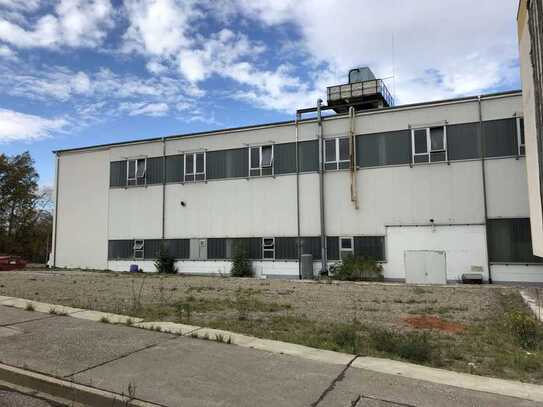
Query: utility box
{"points": [[307, 267]]}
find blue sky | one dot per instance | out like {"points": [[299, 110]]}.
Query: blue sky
{"points": [[83, 72]]}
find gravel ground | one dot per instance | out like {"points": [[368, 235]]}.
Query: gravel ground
{"points": [[385, 304]]}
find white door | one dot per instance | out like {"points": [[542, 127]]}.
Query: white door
{"points": [[425, 267]]}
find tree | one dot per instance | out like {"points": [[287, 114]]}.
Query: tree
{"points": [[165, 263], [25, 211]]}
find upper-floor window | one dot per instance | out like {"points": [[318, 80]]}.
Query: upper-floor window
{"points": [[520, 136], [136, 169], [429, 144], [260, 160], [195, 166], [336, 153]]}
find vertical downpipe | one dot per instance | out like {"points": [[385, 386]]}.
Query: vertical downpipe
{"points": [[298, 245], [352, 158], [324, 260], [163, 187], [482, 149], [57, 167]]}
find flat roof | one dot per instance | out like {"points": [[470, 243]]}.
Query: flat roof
{"points": [[283, 123]]}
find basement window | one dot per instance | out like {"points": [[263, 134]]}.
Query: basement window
{"points": [[520, 136], [336, 153], [136, 169], [195, 167], [260, 160], [346, 247], [139, 246], [268, 248], [429, 144]]}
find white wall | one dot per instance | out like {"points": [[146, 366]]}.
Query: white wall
{"points": [[465, 246], [518, 273], [506, 188], [82, 215]]}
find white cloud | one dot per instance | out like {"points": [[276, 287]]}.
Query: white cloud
{"points": [[75, 23], [17, 126], [7, 53], [143, 109]]}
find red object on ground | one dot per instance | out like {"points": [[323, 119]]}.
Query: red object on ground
{"points": [[8, 263], [434, 322]]}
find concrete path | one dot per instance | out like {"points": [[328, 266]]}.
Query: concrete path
{"points": [[172, 370]]}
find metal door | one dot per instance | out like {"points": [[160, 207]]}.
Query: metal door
{"points": [[425, 267]]}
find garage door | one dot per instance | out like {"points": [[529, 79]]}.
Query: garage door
{"points": [[425, 267]]}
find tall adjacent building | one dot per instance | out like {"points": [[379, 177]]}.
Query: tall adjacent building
{"points": [[530, 37]]}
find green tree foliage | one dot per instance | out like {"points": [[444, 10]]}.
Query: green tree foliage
{"points": [[25, 211], [359, 269], [165, 263], [241, 266]]}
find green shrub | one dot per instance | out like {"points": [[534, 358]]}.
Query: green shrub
{"points": [[241, 266], [165, 263], [413, 346], [524, 328], [359, 269]]}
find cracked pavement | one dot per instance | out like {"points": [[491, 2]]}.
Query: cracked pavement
{"points": [[175, 370]]}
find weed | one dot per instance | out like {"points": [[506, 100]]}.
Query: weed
{"points": [[419, 290], [54, 311], [129, 322], [29, 306], [413, 346], [524, 328], [104, 319]]}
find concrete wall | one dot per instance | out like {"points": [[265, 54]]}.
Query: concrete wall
{"points": [[530, 130]]}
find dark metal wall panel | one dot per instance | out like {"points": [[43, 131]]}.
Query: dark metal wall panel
{"points": [[227, 163], [500, 137], [252, 246], [463, 141], [178, 248], [389, 148], [151, 248], [117, 173], [370, 246], [510, 241], [332, 244], [286, 248], [284, 158], [312, 245], [309, 155], [216, 248], [120, 249], [175, 167], [154, 170]]}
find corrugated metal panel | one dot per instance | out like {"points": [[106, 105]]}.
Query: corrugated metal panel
{"points": [[500, 137], [370, 246], [216, 248], [309, 155], [151, 248], [332, 244], [463, 141], [175, 168], [154, 170], [117, 173], [178, 248], [285, 158], [227, 164], [286, 248], [510, 241], [389, 148], [120, 249], [252, 245], [312, 245]]}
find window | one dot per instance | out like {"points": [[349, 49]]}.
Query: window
{"points": [[510, 241], [195, 167], [260, 160], [139, 246], [268, 248], [346, 247], [520, 136], [136, 169], [336, 153], [429, 144]]}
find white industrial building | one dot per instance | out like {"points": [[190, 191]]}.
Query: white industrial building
{"points": [[432, 190]]}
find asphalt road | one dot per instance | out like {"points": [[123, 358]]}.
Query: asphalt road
{"points": [[183, 371]]}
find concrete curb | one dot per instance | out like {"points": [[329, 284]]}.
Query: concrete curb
{"points": [[63, 390], [439, 376], [531, 302]]}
